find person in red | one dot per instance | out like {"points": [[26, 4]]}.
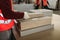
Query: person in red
{"points": [[37, 4], [45, 4], [7, 16]]}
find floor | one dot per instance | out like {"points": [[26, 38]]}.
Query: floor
{"points": [[52, 34]]}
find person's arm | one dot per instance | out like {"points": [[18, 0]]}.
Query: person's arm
{"points": [[6, 7], [12, 15]]}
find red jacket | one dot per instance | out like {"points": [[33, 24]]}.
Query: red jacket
{"points": [[6, 8], [5, 24]]}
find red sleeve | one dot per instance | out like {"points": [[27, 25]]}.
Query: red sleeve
{"points": [[5, 6]]}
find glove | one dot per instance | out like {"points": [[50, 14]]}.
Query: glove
{"points": [[26, 16]]}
